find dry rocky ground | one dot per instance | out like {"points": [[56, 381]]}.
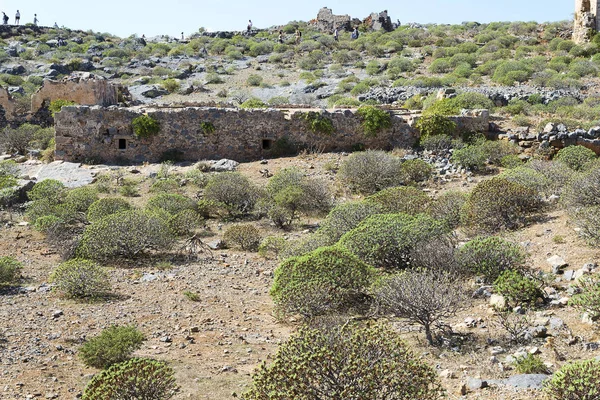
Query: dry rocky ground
{"points": [[215, 343]]}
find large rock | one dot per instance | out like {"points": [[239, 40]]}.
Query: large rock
{"points": [[224, 165], [526, 381], [72, 175]]}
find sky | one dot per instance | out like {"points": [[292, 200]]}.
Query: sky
{"points": [[171, 17]]}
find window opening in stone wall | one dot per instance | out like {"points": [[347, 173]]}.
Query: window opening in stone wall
{"points": [[267, 144], [586, 6], [122, 144]]}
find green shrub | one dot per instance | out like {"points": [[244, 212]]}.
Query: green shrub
{"points": [[106, 206], [435, 124], [473, 157], [145, 126], [137, 378], [245, 236], [579, 380], [129, 189], [253, 103], [437, 143], [347, 216], [387, 240], [170, 203], [233, 190], [558, 175], [318, 123], [80, 199], [447, 208], [271, 244], [370, 171], [325, 280], [81, 279], [496, 149], [402, 199], [366, 362], [587, 220], [416, 170], [184, 222], [114, 345], [303, 246], [510, 161], [583, 190], [490, 257], [171, 85], [588, 298], [374, 120], [56, 105], [530, 364], [527, 177], [498, 204], [517, 288], [125, 234], [293, 191], [50, 190], [575, 157], [207, 127], [164, 185], [254, 80], [9, 269]]}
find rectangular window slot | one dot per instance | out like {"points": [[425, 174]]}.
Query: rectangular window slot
{"points": [[122, 144], [267, 144]]}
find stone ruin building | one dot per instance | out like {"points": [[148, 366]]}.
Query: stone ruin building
{"points": [[587, 20], [105, 134], [81, 88], [326, 21]]}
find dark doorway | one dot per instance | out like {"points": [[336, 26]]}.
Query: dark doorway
{"points": [[122, 144], [267, 144]]}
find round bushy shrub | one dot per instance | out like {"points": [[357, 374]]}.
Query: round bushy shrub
{"points": [[370, 171], [374, 120], [245, 236], [170, 203], [145, 126], [293, 192], [472, 157], [433, 124], [184, 222], [510, 161], [490, 257], [325, 280], [575, 157], [447, 207], [517, 288], [107, 206], [81, 199], [125, 234], [583, 190], [271, 244], [414, 171], [386, 240], [300, 247], [233, 190], [367, 363], [9, 268], [113, 345], [137, 378], [437, 143], [579, 380], [588, 297], [588, 221], [79, 278], [527, 177], [346, 216], [498, 203], [49, 190], [403, 199], [557, 174]]}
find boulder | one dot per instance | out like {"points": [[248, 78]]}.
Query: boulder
{"points": [[224, 165]]}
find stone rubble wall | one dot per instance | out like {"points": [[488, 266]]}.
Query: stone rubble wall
{"points": [[586, 20], [84, 89], [86, 133]]}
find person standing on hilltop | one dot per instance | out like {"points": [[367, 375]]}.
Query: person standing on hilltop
{"points": [[35, 20], [17, 17], [249, 25], [335, 34], [298, 35], [4, 18]]}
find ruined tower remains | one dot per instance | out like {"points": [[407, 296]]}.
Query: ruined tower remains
{"points": [[586, 20]]}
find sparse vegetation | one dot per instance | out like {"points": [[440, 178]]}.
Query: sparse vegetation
{"points": [[114, 345]]}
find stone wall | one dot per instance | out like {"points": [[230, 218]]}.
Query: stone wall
{"points": [[326, 21], [85, 133], [7, 113], [81, 88], [586, 20]]}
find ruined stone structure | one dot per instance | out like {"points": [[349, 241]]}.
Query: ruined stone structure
{"points": [[587, 20], [82, 88], [7, 107], [326, 21], [106, 133]]}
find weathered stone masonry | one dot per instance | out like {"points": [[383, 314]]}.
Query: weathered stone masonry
{"points": [[106, 133]]}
